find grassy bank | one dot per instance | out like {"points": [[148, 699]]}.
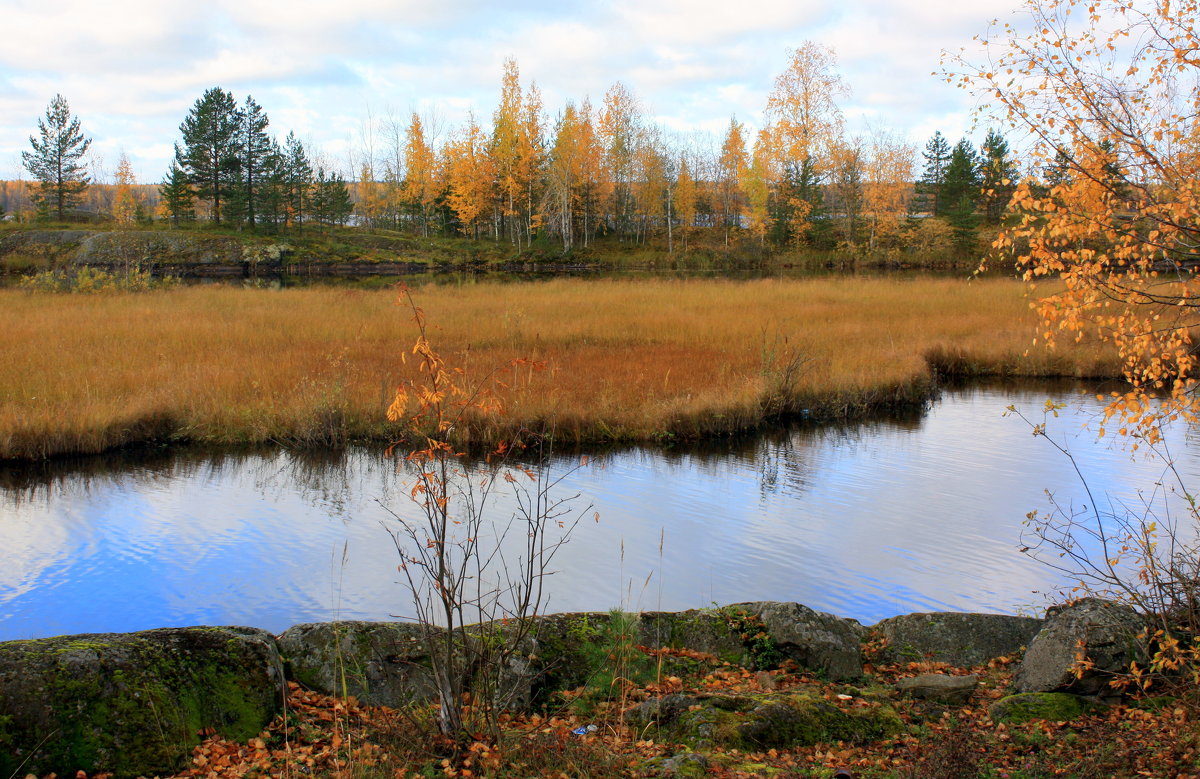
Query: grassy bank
{"points": [[647, 360], [208, 250]]}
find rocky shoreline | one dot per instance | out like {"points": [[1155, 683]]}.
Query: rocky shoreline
{"points": [[137, 703]]}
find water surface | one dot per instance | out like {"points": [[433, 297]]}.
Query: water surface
{"points": [[867, 521]]}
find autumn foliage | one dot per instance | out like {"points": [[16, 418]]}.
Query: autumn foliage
{"points": [[1105, 91]]}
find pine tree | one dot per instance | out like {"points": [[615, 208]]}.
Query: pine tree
{"points": [[846, 191], [253, 150], [211, 153], [798, 215], [297, 175], [178, 196], [54, 161], [960, 193], [1059, 172], [937, 157], [331, 202], [998, 176], [274, 189]]}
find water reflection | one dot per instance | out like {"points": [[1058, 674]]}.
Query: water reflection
{"points": [[887, 517]]}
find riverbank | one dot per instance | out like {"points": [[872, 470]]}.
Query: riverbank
{"points": [[355, 252], [749, 689], [623, 361]]}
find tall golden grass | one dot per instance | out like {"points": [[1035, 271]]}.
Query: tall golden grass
{"points": [[627, 360]]}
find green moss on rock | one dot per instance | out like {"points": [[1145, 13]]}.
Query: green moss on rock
{"points": [[131, 704], [1052, 706]]}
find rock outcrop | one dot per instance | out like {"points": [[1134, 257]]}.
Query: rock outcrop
{"points": [[388, 663], [961, 640], [132, 704], [822, 642], [1104, 631], [939, 687]]}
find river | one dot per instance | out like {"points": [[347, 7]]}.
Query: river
{"points": [[921, 513]]}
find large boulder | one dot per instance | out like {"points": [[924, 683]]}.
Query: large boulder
{"points": [[132, 704], [815, 640], [388, 663], [379, 663], [958, 639], [577, 649], [701, 630], [939, 687], [1050, 706], [1106, 633]]}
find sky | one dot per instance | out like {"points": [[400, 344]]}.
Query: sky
{"points": [[131, 69]]}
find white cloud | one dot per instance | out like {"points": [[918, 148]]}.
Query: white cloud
{"points": [[132, 68]]}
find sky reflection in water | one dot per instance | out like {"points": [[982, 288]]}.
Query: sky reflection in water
{"points": [[868, 521]]}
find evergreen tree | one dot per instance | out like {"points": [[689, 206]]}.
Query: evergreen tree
{"points": [[211, 153], [937, 157], [55, 160], [847, 194], [331, 203], [254, 149], [178, 196], [275, 189], [1058, 172], [960, 193], [998, 176], [798, 213], [297, 174]]}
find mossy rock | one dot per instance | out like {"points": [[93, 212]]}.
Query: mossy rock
{"points": [[958, 639], [765, 721], [380, 663], [1052, 706], [388, 663], [701, 630], [43, 243], [132, 704]]}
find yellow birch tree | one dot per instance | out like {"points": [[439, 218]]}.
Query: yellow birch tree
{"points": [[470, 176], [1106, 91], [888, 187], [125, 201], [685, 201], [732, 168], [420, 180]]}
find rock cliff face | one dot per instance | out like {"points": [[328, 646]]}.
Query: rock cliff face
{"points": [[132, 704]]}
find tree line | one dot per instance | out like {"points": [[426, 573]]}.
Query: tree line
{"points": [[594, 170]]}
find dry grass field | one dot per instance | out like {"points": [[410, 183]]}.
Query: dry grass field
{"points": [[625, 360]]}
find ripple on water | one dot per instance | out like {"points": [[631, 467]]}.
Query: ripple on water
{"points": [[866, 521]]}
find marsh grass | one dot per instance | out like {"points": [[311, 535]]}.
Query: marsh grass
{"points": [[625, 360]]}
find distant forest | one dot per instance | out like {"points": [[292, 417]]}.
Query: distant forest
{"points": [[800, 180]]}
